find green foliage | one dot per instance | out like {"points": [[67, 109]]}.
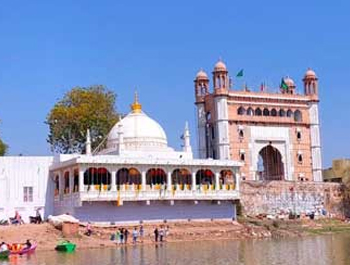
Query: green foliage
{"points": [[239, 208], [3, 148], [80, 109]]}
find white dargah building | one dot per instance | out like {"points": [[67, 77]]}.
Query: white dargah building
{"points": [[135, 177]]}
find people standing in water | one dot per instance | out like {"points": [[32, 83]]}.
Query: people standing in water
{"points": [[122, 236], [134, 235], [167, 231], [141, 233], [117, 236], [126, 235], [161, 234], [156, 234]]}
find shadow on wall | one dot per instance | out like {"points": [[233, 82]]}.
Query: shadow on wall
{"points": [[49, 197], [156, 210]]}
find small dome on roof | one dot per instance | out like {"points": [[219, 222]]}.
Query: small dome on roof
{"points": [[201, 75], [310, 73], [289, 81], [220, 66]]}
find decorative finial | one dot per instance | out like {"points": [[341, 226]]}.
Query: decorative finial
{"points": [[136, 106], [136, 97]]}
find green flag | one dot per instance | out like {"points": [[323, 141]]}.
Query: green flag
{"points": [[240, 73], [283, 84]]}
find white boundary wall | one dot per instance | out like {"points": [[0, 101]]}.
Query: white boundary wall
{"points": [[17, 172]]}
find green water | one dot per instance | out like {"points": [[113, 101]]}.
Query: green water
{"points": [[320, 250]]}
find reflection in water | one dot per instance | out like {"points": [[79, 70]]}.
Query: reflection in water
{"points": [[321, 250]]}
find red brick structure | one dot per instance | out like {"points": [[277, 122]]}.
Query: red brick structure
{"points": [[275, 135]]}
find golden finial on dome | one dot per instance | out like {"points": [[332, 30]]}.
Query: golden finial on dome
{"points": [[136, 106]]}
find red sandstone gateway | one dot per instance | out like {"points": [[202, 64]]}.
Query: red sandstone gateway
{"points": [[273, 131]]}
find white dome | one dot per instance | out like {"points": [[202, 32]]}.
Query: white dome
{"points": [[140, 133]]}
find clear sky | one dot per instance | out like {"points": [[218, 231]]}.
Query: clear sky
{"points": [[47, 47]]}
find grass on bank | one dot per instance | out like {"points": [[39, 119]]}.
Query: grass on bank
{"points": [[298, 226]]}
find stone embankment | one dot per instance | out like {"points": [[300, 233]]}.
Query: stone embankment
{"points": [[248, 228], [281, 197]]}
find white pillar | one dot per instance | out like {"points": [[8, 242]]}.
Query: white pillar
{"points": [[169, 184], [143, 180], [193, 180], [88, 143], [202, 148], [238, 179], [81, 179], [315, 142], [222, 128], [114, 180], [60, 183], [217, 178], [71, 180]]}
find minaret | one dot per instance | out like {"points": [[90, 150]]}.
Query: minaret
{"points": [[221, 128], [310, 83], [88, 143], [201, 85], [186, 137], [120, 139], [311, 89]]}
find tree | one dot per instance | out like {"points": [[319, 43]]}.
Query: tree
{"points": [[3, 148], [80, 109]]}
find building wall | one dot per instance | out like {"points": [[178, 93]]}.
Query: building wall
{"points": [[19, 172], [274, 197], [339, 172], [155, 211], [260, 130], [303, 169]]}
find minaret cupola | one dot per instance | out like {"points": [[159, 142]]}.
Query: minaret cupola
{"points": [[220, 76], [310, 83], [201, 85]]}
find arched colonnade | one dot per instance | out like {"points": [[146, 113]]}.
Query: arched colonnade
{"points": [[96, 178]]}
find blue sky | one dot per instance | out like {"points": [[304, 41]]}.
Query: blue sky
{"points": [[158, 46]]}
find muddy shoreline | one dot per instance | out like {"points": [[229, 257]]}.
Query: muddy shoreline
{"points": [[246, 228]]}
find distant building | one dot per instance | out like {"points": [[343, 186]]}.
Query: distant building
{"points": [[339, 172], [275, 135]]}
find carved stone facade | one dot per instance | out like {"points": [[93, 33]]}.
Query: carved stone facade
{"points": [[275, 135]]}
